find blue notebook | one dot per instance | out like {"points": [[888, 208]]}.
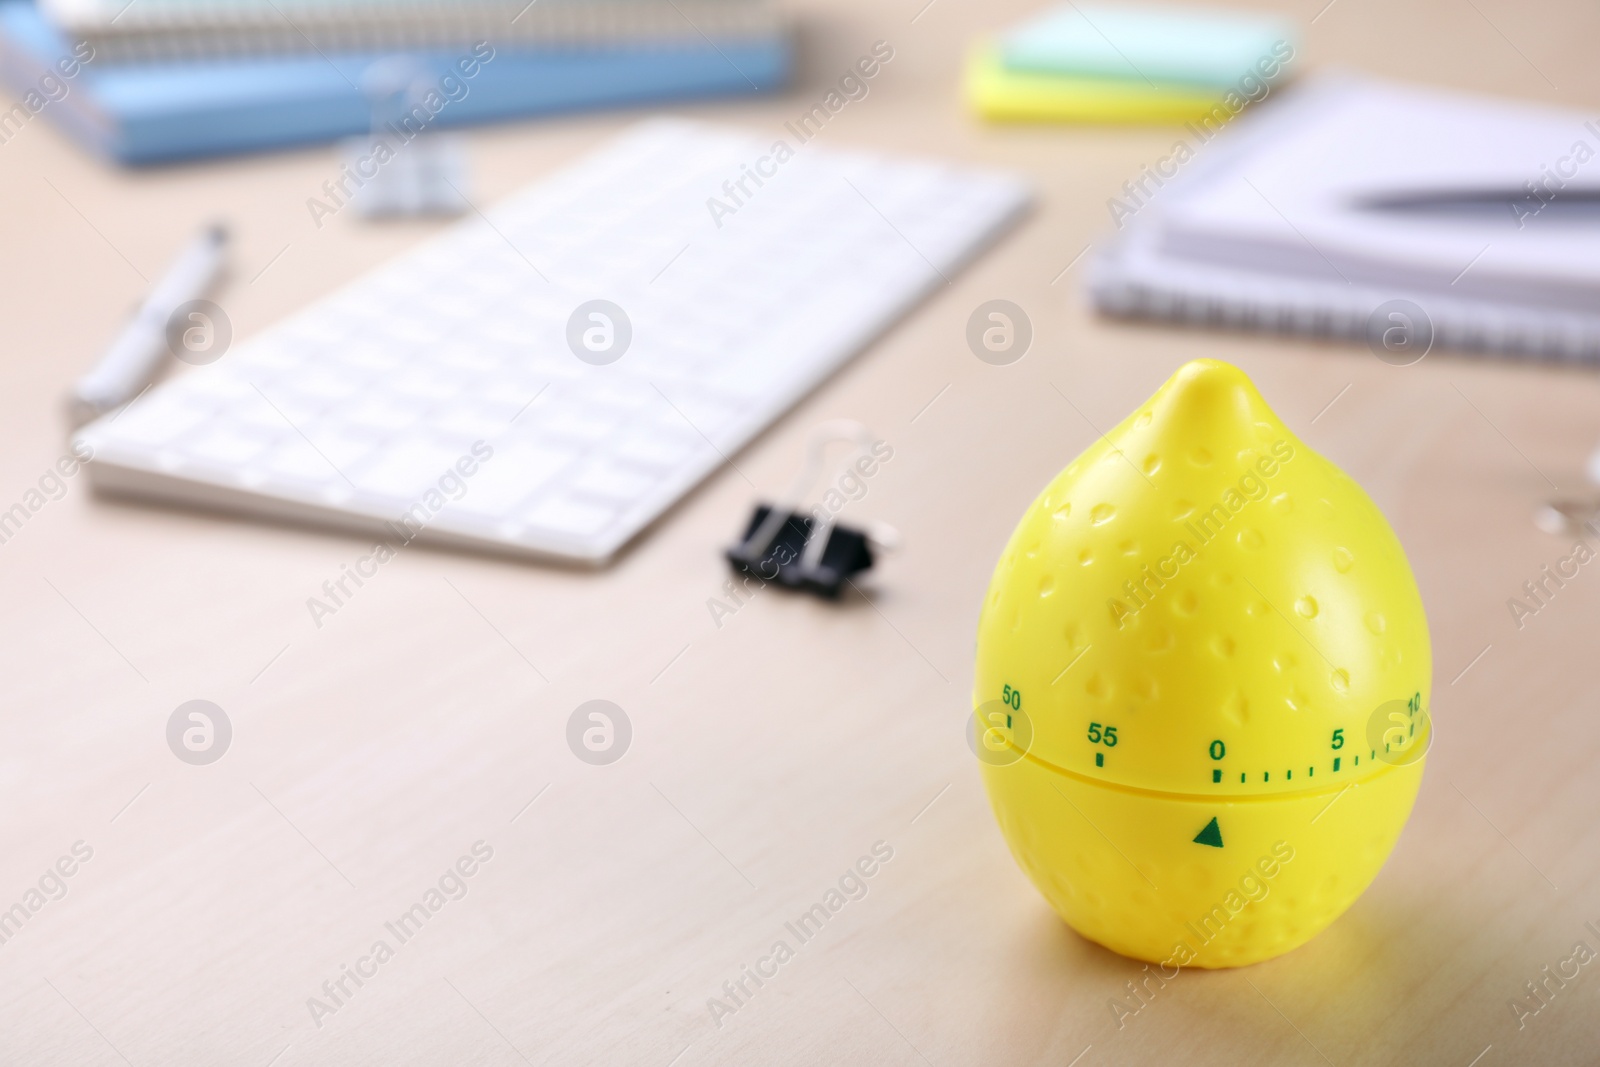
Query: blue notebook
{"points": [[160, 112]]}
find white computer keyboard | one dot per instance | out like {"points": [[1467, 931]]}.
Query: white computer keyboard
{"points": [[355, 410]]}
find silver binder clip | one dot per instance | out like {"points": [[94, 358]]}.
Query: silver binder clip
{"points": [[402, 168]]}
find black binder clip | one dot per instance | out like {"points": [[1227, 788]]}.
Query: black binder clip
{"points": [[807, 550]]}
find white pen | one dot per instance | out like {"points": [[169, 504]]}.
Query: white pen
{"points": [[131, 361]]}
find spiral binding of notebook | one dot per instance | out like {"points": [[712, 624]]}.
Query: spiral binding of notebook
{"points": [[154, 30], [1134, 283]]}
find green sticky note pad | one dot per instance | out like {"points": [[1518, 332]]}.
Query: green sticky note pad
{"points": [[1185, 46]]}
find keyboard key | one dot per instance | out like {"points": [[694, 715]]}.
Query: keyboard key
{"points": [[579, 423], [406, 470], [381, 414], [218, 386], [570, 517], [295, 462], [659, 448], [512, 475], [474, 421], [343, 449], [606, 480], [705, 413], [157, 419], [225, 446], [325, 383]]}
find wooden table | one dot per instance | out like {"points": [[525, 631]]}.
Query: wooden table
{"points": [[769, 752]]}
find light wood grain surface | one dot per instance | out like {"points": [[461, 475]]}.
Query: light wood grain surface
{"points": [[773, 751]]}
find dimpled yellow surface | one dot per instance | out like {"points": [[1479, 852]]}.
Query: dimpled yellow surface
{"points": [[1202, 679]]}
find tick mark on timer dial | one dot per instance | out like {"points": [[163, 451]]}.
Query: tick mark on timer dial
{"points": [[1102, 735]]}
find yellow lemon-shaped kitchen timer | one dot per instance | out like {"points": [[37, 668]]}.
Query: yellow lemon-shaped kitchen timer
{"points": [[1202, 679]]}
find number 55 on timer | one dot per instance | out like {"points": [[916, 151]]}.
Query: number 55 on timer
{"points": [[1202, 674]]}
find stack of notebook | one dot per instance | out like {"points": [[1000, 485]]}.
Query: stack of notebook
{"points": [[159, 80], [1353, 206], [1083, 63]]}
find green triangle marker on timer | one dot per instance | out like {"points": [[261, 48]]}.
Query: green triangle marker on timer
{"points": [[1211, 835]]}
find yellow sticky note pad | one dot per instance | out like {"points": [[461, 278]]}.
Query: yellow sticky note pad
{"points": [[1002, 95]]}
